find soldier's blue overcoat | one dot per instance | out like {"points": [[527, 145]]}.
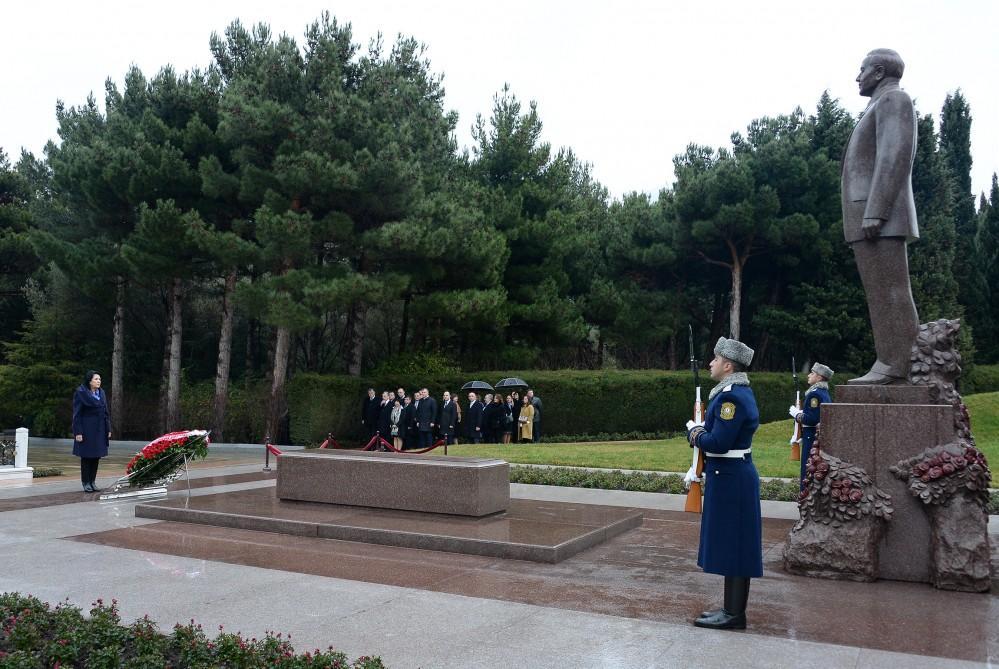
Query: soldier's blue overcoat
{"points": [[812, 408], [731, 526]]}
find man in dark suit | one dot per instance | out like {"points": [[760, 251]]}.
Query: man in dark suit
{"points": [[407, 424], [370, 410], [385, 416], [879, 213], [448, 419], [535, 401], [473, 419], [426, 417]]}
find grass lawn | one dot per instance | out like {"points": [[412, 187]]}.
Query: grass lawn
{"points": [[770, 447]]}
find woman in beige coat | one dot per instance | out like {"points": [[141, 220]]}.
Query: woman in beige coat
{"points": [[526, 420]]}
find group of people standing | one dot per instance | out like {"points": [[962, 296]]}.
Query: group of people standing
{"points": [[413, 421]]}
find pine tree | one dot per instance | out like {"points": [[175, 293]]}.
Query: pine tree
{"points": [[932, 257], [987, 247], [18, 260], [535, 199], [955, 149]]}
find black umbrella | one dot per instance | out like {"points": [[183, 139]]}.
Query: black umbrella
{"points": [[476, 385], [512, 382]]}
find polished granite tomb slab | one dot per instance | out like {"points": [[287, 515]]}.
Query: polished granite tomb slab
{"points": [[528, 530], [430, 483]]}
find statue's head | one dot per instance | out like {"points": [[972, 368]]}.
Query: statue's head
{"points": [[879, 65]]}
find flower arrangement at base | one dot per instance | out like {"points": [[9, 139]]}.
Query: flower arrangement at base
{"points": [[164, 456]]}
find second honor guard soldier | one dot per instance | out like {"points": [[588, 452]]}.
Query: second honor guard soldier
{"points": [[808, 417], [731, 527]]}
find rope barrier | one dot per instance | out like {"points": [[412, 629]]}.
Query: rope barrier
{"points": [[330, 441], [274, 450]]}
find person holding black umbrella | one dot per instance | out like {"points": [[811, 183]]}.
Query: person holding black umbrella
{"points": [[497, 419], [516, 415], [487, 419], [473, 419], [508, 424]]}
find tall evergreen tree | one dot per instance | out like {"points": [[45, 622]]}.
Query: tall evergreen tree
{"points": [[932, 258], [987, 246], [18, 260], [955, 149], [531, 196]]}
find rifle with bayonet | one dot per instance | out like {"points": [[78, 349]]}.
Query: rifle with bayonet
{"points": [[796, 432], [693, 502]]}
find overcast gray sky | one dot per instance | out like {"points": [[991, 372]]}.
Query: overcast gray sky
{"points": [[627, 85]]}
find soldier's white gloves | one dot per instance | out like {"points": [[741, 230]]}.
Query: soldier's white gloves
{"points": [[794, 411], [692, 424], [690, 477]]}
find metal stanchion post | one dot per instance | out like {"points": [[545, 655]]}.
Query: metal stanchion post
{"points": [[267, 453]]}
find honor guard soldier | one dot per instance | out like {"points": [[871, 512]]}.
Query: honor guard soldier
{"points": [[731, 528], [808, 417]]}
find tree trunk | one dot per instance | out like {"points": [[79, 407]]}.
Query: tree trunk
{"points": [[405, 324], [600, 348], [165, 369], [225, 357], [277, 400], [671, 353], [118, 360], [736, 305], [176, 332], [761, 350], [357, 331]]}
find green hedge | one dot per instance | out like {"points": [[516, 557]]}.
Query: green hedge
{"points": [[575, 402], [246, 410], [980, 379]]}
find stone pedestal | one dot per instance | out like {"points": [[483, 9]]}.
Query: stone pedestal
{"points": [[20, 470], [874, 427], [428, 483]]}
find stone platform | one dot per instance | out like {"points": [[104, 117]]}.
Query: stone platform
{"points": [[528, 530], [875, 427], [429, 483]]}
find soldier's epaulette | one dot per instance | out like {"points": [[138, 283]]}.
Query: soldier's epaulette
{"points": [[727, 388]]}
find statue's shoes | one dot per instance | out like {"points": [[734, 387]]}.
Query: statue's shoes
{"points": [[873, 378]]}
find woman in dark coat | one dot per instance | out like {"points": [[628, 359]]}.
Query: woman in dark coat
{"points": [[91, 428], [497, 419]]}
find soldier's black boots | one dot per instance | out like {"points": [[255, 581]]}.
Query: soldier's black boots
{"points": [[733, 616]]}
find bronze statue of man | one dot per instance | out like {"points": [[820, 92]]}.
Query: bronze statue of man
{"points": [[879, 214]]}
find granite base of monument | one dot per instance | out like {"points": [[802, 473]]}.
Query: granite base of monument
{"points": [[527, 530], [902, 459]]}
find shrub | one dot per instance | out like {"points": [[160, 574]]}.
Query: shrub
{"points": [[777, 490], [772, 489], [37, 635], [245, 416], [980, 379], [574, 402]]}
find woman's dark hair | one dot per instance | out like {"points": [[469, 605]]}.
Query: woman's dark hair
{"points": [[89, 375]]}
